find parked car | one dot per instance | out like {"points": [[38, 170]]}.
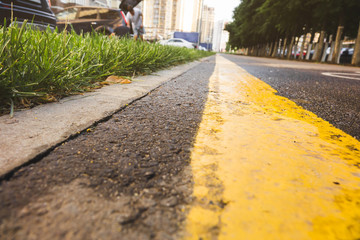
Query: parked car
{"points": [[56, 9], [178, 42], [346, 55], [298, 54], [36, 12], [202, 48], [85, 19]]}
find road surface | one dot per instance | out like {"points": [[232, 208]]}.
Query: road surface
{"points": [[235, 148]]}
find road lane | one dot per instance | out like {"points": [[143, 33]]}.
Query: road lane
{"points": [[354, 76], [334, 99], [128, 178], [265, 168], [124, 178]]}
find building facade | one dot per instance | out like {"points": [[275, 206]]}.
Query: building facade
{"points": [[207, 24], [160, 18], [220, 37], [163, 17]]}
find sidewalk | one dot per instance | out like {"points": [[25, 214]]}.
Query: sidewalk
{"points": [[33, 132]]}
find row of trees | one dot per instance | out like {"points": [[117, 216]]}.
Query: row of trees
{"points": [[261, 24]]}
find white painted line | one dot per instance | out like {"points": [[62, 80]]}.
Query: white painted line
{"points": [[341, 75]]}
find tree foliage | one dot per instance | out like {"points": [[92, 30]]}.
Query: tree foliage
{"points": [[262, 21]]}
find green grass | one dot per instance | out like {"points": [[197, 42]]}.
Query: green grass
{"points": [[37, 64]]}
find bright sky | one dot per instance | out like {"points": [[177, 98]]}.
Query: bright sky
{"points": [[223, 8]]}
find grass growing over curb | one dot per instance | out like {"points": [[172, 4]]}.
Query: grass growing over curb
{"points": [[37, 66]]}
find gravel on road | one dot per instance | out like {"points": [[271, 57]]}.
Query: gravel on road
{"points": [[124, 178]]}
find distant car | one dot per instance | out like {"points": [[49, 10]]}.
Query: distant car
{"points": [[346, 55], [37, 12], [298, 53], [85, 19], [178, 42], [202, 48]]}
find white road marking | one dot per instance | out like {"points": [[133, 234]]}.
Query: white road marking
{"points": [[354, 76]]}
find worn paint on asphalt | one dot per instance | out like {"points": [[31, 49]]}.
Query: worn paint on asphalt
{"points": [[354, 76], [265, 168]]}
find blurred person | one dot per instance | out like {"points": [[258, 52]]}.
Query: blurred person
{"points": [[121, 30], [135, 18]]}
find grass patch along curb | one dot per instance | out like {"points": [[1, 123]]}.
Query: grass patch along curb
{"points": [[42, 66]]}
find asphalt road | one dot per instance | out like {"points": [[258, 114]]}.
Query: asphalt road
{"points": [[266, 168], [130, 176], [335, 99], [125, 178]]}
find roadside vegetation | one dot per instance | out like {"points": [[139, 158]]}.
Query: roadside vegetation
{"points": [[275, 27], [42, 66]]}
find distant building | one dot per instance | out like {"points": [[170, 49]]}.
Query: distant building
{"points": [[207, 24], [220, 37], [164, 17], [196, 13], [161, 17]]}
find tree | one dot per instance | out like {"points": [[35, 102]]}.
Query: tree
{"points": [[259, 22], [244, 30]]}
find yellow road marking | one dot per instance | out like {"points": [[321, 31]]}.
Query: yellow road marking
{"points": [[265, 168]]}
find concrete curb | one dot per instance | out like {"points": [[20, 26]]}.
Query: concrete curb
{"points": [[35, 131]]}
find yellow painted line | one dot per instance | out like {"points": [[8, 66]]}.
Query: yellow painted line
{"points": [[265, 168]]}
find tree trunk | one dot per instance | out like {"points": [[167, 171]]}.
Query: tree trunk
{"points": [[270, 49], [308, 51], [264, 49], [296, 45], [336, 54], [316, 47], [290, 48], [301, 56], [280, 47], [275, 49], [253, 51], [331, 44], [331, 51], [320, 47], [283, 49], [323, 58], [356, 57]]}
